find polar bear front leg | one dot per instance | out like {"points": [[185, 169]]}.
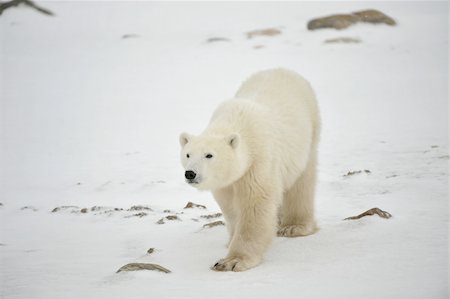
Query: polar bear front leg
{"points": [[224, 197], [255, 229]]}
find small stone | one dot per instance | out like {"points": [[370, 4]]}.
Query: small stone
{"points": [[84, 210], [191, 205], [172, 217], [142, 266], [374, 16], [350, 173], [256, 47], [339, 22], [139, 208], [217, 39], [373, 211], [28, 208], [160, 221], [343, 40], [130, 35], [216, 215], [140, 215], [64, 208], [263, 32], [150, 250], [342, 21], [213, 224]]}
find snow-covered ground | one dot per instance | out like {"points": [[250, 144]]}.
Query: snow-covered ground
{"points": [[94, 98]]}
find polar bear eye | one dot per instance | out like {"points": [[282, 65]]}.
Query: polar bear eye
{"points": [[208, 156], [187, 156]]}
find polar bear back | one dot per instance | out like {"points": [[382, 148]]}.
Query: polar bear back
{"points": [[276, 113], [282, 90]]}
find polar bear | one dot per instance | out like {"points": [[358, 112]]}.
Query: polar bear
{"points": [[258, 157]]}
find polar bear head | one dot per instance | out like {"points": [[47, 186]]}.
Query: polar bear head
{"points": [[213, 161]]}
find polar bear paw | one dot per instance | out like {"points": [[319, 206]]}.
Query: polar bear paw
{"points": [[292, 231], [236, 264]]}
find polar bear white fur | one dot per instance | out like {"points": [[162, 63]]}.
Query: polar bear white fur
{"points": [[258, 157]]}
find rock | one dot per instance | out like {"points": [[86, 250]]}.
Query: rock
{"points": [[263, 32], [342, 21], [256, 47], [213, 224], [130, 35], [139, 208], [57, 209], [191, 205], [29, 208], [375, 17], [150, 250], [169, 217], [334, 21], [350, 173], [140, 215], [342, 40], [142, 266], [216, 215], [84, 210], [373, 211], [217, 39]]}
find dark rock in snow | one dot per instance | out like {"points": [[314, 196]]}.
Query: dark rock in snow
{"points": [[142, 266], [213, 224], [263, 32], [373, 211], [342, 21], [342, 40], [191, 205]]}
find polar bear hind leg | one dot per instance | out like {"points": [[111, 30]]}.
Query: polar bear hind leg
{"points": [[297, 209]]}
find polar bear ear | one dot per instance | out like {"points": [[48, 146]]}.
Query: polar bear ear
{"points": [[184, 139], [233, 140]]}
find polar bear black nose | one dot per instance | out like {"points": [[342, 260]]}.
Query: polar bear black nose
{"points": [[190, 175]]}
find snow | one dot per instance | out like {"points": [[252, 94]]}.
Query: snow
{"points": [[89, 118]]}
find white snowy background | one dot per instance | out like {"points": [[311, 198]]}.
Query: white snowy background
{"points": [[90, 117]]}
